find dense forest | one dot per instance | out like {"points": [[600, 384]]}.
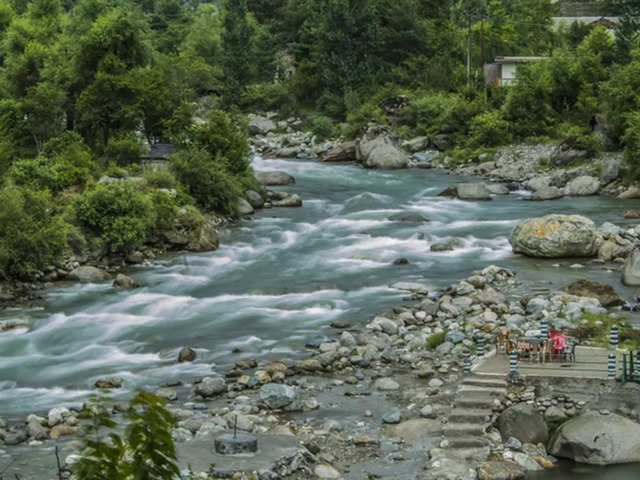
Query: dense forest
{"points": [[86, 85]]}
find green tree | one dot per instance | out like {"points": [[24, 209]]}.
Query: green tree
{"points": [[236, 57]]}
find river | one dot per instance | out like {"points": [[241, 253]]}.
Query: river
{"points": [[277, 282]]}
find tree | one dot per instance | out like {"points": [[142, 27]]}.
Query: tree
{"points": [[236, 57]]}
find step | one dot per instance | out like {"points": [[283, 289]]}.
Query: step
{"points": [[465, 401], [468, 415], [485, 382], [452, 430], [474, 389], [467, 442], [471, 453]]}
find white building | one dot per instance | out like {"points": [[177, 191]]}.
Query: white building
{"points": [[504, 71]]}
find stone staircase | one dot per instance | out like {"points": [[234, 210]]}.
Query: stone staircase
{"points": [[471, 415]]}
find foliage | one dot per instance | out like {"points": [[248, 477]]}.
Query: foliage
{"points": [[31, 234], [323, 127], [118, 213], [145, 451], [161, 179], [124, 150], [580, 138], [489, 129], [632, 144], [435, 340]]}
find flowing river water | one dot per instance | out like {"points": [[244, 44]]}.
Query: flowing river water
{"points": [[276, 283]]}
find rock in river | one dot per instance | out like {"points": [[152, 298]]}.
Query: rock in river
{"points": [[604, 293], [556, 236], [524, 422], [597, 439], [89, 275], [270, 179], [582, 186], [631, 272], [345, 152], [411, 217], [472, 191], [211, 386], [379, 147], [123, 281], [275, 395]]}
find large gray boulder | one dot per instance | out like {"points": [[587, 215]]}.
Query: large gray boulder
{"points": [[582, 186], [261, 125], [524, 422], [473, 191], [597, 439], [610, 170], [631, 271], [556, 236], [271, 179], [89, 275], [547, 193], [244, 207], [211, 386], [417, 144], [379, 147], [565, 155]]}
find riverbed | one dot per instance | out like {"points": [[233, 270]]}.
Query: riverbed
{"points": [[276, 283]]}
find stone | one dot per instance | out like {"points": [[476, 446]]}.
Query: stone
{"points": [[16, 438], [401, 261], [524, 422], [610, 171], [472, 192], [632, 215], [547, 193], [537, 183], [605, 294], [597, 439], [500, 470], [411, 287], [37, 431], [289, 201], [526, 462], [57, 416], [555, 236], [582, 186], [211, 386], [243, 207], [610, 250], [409, 217], [205, 239], [259, 125], [497, 188], [187, 354], [276, 395], [416, 144], [345, 152], [379, 147], [455, 336], [428, 412], [386, 384], [392, 417], [565, 155], [631, 193], [109, 382], [310, 365], [447, 245], [269, 179], [167, 393], [325, 471], [124, 281], [88, 274], [442, 142], [62, 431], [255, 199], [513, 444], [554, 414], [631, 271]]}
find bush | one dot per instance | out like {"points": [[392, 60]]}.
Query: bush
{"points": [[323, 127], [124, 150], [489, 129], [31, 236], [266, 97], [145, 451], [632, 145], [580, 138], [118, 214], [65, 161], [207, 179], [433, 113], [161, 179], [435, 340]]}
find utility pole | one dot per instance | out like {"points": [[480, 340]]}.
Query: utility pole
{"points": [[482, 58], [469, 53]]}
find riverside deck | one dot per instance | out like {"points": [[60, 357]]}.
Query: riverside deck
{"points": [[590, 362]]}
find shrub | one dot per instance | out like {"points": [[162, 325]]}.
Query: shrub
{"points": [[117, 213], [323, 127], [165, 209], [580, 138], [65, 161], [161, 179], [434, 113], [124, 150], [632, 145], [145, 451], [207, 179], [266, 97], [435, 340], [489, 129], [31, 236]]}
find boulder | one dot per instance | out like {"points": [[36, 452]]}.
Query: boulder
{"points": [[597, 439], [276, 395], [610, 171], [187, 354], [447, 245], [379, 147], [255, 199], [537, 183], [564, 155], [631, 215], [124, 281], [555, 236], [410, 217], [582, 186], [547, 193], [261, 125], [244, 207], [272, 179], [204, 239], [89, 275], [442, 142], [345, 152], [524, 422], [610, 250], [500, 470], [631, 271], [497, 188], [211, 386], [109, 382], [630, 193], [472, 191], [289, 201], [604, 293], [417, 144]]}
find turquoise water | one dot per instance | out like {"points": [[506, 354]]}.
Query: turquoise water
{"points": [[276, 282]]}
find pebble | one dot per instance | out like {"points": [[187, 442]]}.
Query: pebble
{"points": [[393, 416]]}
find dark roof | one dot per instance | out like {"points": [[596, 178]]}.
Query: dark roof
{"points": [[159, 150], [518, 59]]}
